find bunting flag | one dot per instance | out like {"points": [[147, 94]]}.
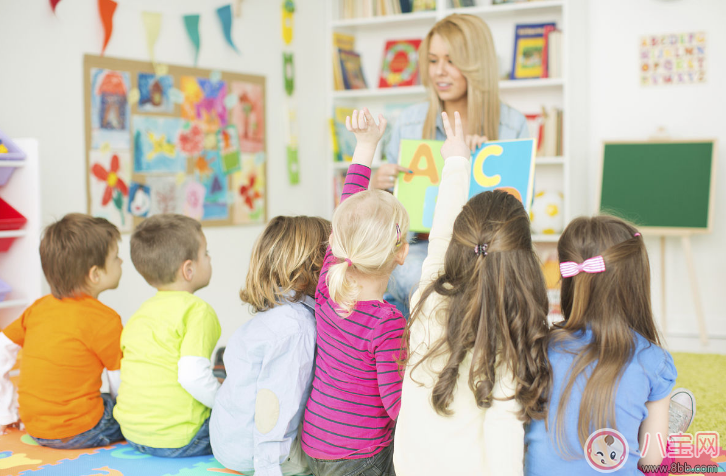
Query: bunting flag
{"points": [[288, 71], [152, 23], [53, 4], [288, 8], [238, 8], [225, 17], [191, 23], [106, 9]]}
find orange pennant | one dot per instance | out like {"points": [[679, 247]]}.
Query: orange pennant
{"points": [[106, 8]]}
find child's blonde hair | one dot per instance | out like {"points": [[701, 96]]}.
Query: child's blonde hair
{"points": [[369, 228], [287, 258]]}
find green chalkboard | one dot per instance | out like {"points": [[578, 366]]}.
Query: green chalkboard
{"points": [[660, 185]]}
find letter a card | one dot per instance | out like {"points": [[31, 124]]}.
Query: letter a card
{"points": [[417, 192]]}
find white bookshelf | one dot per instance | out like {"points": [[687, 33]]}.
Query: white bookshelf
{"points": [[527, 96], [20, 265]]}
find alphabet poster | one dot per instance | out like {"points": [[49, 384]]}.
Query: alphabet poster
{"points": [[497, 165], [190, 141], [678, 58]]}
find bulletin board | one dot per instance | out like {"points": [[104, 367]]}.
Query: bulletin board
{"points": [[185, 140], [664, 187]]}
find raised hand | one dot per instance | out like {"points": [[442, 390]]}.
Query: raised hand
{"points": [[367, 134], [474, 142], [455, 144]]}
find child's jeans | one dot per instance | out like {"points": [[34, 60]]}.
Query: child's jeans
{"points": [[380, 464], [199, 446], [104, 433]]}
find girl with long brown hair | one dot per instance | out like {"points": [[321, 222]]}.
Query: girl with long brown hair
{"points": [[609, 369], [477, 366]]}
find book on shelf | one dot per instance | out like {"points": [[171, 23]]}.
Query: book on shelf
{"points": [[553, 41], [535, 124], [345, 43], [551, 133], [373, 8], [462, 3], [400, 64], [547, 29], [351, 70], [423, 5], [338, 182], [344, 139], [527, 61]]}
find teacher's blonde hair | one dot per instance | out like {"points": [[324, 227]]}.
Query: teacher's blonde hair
{"points": [[471, 50]]}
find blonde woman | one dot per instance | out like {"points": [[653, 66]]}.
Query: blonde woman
{"points": [[458, 66], [254, 427]]}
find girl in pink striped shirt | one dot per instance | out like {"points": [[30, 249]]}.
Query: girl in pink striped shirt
{"points": [[352, 410]]}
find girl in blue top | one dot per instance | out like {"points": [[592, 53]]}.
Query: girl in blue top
{"points": [[458, 67], [608, 368]]}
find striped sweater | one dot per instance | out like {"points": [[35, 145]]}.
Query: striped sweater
{"points": [[356, 392]]}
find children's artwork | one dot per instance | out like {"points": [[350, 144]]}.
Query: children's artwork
{"points": [[248, 115], [209, 173], [228, 141], [400, 64], [205, 158], [528, 50], [110, 173], [497, 165], [139, 200], [154, 93], [155, 145], [204, 101], [678, 58], [109, 108], [248, 191]]}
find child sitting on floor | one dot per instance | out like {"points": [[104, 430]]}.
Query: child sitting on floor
{"points": [[68, 338], [269, 360], [167, 385]]}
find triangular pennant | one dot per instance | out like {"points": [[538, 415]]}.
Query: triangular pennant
{"points": [[53, 4], [288, 72], [106, 9], [191, 23], [225, 17], [152, 23]]}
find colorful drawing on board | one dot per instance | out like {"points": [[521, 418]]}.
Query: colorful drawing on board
{"points": [[191, 139], [248, 115], [154, 93], [194, 193], [155, 145], [248, 189], [500, 165], [215, 183], [204, 101], [110, 109], [677, 58], [110, 172], [228, 141], [164, 195], [139, 200]]}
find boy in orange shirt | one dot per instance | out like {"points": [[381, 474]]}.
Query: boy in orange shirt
{"points": [[68, 338]]}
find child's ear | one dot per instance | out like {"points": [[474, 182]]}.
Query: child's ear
{"points": [[401, 254], [94, 275], [187, 270]]}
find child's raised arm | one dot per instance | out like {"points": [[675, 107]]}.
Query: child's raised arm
{"points": [[367, 134]]}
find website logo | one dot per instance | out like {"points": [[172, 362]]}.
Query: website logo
{"points": [[606, 450]]}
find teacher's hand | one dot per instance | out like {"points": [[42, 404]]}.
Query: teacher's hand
{"points": [[386, 175], [474, 142]]}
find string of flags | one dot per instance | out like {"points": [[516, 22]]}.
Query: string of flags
{"points": [[152, 25], [288, 72]]}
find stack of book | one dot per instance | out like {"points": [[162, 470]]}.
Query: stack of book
{"points": [[371, 8], [546, 127], [347, 70], [462, 3]]}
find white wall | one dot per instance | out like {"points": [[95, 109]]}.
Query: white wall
{"points": [[41, 95], [621, 109]]}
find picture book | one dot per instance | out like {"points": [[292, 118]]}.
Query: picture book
{"points": [[527, 61], [496, 165], [340, 42], [351, 70], [344, 138], [400, 64]]}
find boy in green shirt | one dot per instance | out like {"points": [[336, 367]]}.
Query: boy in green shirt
{"points": [[167, 386]]}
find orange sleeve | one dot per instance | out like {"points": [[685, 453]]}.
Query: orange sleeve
{"points": [[16, 330], [107, 342]]}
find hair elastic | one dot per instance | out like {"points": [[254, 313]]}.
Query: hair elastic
{"points": [[481, 249], [398, 235], [350, 263], [637, 234], [593, 265]]}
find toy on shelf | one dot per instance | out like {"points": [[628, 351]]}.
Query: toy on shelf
{"points": [[4, 290], [547, 215], [10, 219], [10, 157]]}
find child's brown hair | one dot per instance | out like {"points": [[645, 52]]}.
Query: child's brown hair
{"points": [[162, 243], [71, 247], [496, 307], [613, 304], [286, 258]]}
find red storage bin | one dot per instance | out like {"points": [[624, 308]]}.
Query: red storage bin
{"points": [[10, 219]]}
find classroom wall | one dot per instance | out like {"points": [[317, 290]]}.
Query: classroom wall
{"points": [[621, 109], [41, 95]]}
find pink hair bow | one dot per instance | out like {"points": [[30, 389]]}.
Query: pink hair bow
{"points": [[593, 265]]}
